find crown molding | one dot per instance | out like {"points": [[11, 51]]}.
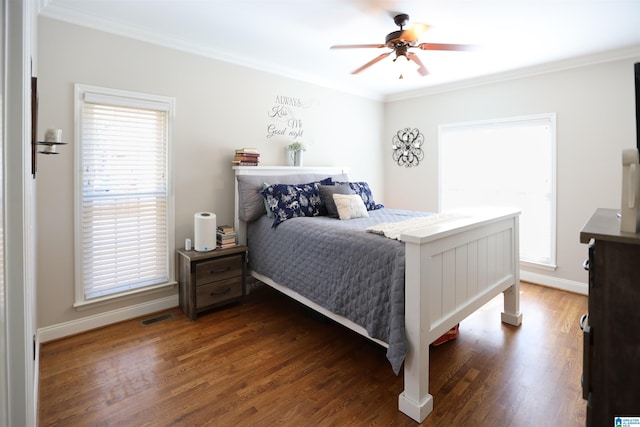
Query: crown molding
{"points": [[632, 52], [70, 16], [57, 12]]}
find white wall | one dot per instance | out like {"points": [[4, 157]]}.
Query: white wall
{"points": [[219, 107], [222, 106], [595, 109]]}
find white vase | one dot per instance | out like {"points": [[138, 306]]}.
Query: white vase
{"points": [[289, 155], [297, 158]]}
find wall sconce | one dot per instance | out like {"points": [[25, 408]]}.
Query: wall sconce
{"points": [[52, 137], [407, 147]]}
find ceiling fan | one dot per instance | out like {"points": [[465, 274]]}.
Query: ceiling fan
{"points": [[401, 41]]}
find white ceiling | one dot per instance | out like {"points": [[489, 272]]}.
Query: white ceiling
{"points": [[292, 37]]}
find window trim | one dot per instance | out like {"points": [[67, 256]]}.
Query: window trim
{"points": [[549, 118], [135, 100]]}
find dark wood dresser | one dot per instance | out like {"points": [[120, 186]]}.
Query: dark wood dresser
{"points": [[210, 279], [611, 359]]}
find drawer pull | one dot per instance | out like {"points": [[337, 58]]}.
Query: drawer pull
{"points": [[584, 322], [220, 292], [585, 264], [222, 270], [587, 339]]}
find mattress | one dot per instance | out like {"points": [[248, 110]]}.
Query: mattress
{"points": [[340, 266]]}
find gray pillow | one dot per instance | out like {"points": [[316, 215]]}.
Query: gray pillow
{"points": [[266, 205], [250, 201], [326, 195]]}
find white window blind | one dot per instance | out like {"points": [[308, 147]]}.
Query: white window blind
{"points": [[124, 199], [505, 162]]}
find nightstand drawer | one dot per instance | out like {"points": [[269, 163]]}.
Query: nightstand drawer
{"points": [[217, 292], [218, 269]]}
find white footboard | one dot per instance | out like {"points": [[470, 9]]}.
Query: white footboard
{"points": [[452, 269]]}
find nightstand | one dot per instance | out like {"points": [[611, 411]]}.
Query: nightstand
{"points": [[211, 279]]}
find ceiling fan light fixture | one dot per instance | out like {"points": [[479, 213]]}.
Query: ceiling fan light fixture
{"points": [[405, 66], [401, 54]]}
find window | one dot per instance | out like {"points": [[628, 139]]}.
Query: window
{"points": [[506, 162], [124, 200]]}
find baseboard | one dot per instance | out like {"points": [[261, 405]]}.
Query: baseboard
{"points": [[72, 327], [555, 282], [36, 377]]}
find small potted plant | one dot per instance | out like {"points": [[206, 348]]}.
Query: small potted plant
{"points": [[295, 152]]}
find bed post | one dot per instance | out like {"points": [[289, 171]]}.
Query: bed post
{"points": [[511, 314], [239, 226], [415, 401]]}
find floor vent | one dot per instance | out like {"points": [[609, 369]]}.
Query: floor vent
{"points": [[159, 318]]}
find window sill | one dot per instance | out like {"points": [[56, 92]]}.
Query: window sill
{"points": [[539, 266], [111, 299]]}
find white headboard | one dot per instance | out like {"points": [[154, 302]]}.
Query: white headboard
{"points": [[241, 226]]}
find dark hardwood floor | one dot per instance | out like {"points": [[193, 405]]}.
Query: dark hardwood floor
{"points": [[269, 362]]}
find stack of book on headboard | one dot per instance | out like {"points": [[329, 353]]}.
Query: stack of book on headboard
{"points": [[246, 157]]}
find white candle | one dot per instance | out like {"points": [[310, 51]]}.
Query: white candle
{"points": [[53, 135]]}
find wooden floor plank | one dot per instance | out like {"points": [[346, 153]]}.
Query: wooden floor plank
{"points": [[270, 361]]}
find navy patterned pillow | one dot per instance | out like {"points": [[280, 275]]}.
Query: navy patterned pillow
{"points": [[363, 189], [288, 201]]}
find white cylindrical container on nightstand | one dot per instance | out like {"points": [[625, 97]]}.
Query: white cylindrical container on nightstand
{"points": [[204, 231]]}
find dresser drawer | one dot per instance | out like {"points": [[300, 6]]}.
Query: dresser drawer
{"points": [[218, 292], [218, 269]]}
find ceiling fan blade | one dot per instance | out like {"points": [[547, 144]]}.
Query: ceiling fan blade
{"points": [[370, 63], [422, 70], [356, 46], [447, 46], [413, 33]]}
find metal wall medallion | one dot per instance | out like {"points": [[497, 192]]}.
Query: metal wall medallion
{"points": [[407, 147]]}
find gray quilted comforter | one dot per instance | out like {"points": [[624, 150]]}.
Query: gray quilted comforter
{"points": [[340, 266]]}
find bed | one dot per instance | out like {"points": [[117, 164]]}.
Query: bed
{"points": [[436, 269]]}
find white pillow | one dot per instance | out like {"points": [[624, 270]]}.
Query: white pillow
{"points": [[350, 206]]}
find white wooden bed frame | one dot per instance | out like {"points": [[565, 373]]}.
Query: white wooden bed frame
{"points": [[452, 269]]}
